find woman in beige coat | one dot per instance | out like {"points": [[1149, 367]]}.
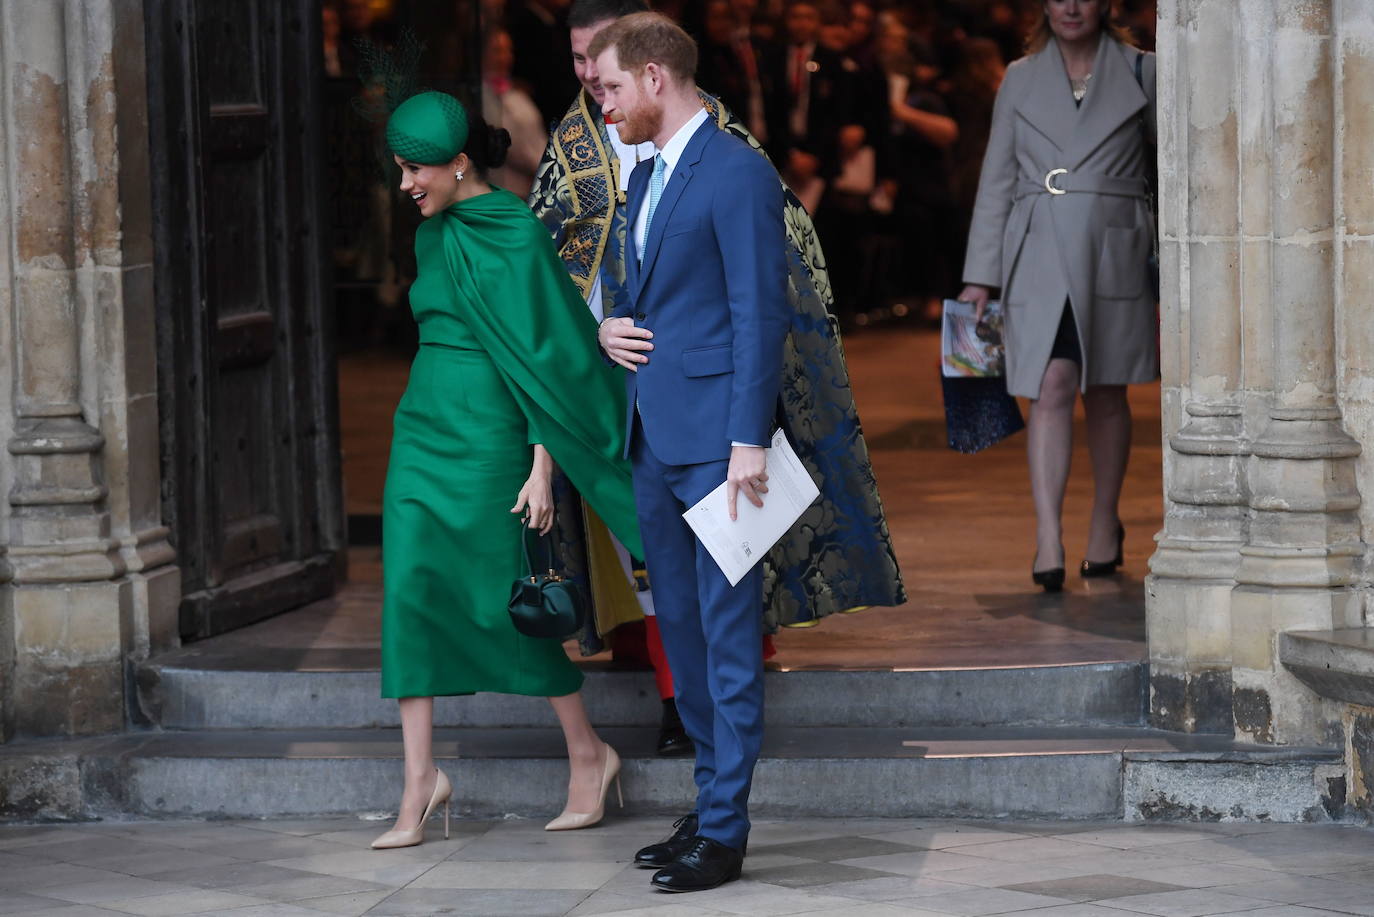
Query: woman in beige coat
{"points": [[1062, 226]]}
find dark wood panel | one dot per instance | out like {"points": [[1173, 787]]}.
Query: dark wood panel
{"points": [[238, 235], [237, 131], [246, 339], [249, 599], [248, 542], [234, 33], [246, 371]]}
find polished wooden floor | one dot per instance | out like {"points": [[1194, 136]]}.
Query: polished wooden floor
{"points": [[962, 526]]}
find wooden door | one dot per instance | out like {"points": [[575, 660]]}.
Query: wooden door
{"points": [[250, 459]]}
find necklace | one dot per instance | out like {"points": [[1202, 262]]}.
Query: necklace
{"points": [[1079, 87]]}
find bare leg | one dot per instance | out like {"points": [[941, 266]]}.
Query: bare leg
{"points": [[586, 753], [417, 735], [1109, 443], [1049, 447]]}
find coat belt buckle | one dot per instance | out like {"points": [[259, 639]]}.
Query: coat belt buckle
{"points": [[1050, 176]]}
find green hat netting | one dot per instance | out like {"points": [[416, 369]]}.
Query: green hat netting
{"points": [[429, 128]]}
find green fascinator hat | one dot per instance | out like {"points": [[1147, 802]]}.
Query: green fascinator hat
{"points": [[429, 128]]}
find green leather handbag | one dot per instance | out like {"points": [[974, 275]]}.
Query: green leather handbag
{"points": [[545, 604]]}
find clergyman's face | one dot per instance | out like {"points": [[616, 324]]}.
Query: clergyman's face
{"points": [[583, 66], [628, 101]]}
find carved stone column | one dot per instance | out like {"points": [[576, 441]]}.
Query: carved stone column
{"points": [[82, 432], [1193, 570], [1301, 559], [1355, 254], [6, 645]]}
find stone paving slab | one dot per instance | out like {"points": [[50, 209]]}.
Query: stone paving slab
{"points": [[813, 867]]}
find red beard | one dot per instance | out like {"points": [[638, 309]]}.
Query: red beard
{"points": [[641, 124]]}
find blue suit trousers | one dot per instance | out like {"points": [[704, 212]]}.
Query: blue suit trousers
{"points": [[713, 635]]}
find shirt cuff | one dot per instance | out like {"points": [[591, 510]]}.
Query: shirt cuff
{"points": [[751, 445]]}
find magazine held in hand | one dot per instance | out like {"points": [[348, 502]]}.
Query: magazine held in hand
{"points": [[973, 365]]}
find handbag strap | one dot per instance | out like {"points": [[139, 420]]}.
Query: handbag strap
{"points": [[547, 541], [1151, 176], [1140, 81], [1152, 167]]}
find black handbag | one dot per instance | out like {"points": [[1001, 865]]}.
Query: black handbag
{"points": [[978, 410], [545, 604]]}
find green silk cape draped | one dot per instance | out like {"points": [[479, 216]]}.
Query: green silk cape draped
{"points": [[515, 295]]}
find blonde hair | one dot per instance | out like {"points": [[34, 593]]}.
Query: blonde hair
{"points": [[1041, 33], [644, 38]]}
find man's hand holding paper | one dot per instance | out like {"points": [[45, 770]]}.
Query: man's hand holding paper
{"points": [[738, 536], [748, 475]]}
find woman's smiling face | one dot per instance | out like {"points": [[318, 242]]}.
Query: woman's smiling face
{"points": [[432, 188]]}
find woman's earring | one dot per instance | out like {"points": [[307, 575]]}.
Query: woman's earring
{"points": [[458, 175]]}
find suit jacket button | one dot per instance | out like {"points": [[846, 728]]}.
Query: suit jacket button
{"points": [[640, 315]]}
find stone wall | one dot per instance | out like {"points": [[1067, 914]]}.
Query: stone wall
{"points": [[1267, 154], [87, 583]]}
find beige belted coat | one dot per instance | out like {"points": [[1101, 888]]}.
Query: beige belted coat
{"points": [[1061, 215]]}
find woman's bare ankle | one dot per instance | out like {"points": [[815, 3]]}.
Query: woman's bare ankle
{"points": [[421, 778], [588, 755]]}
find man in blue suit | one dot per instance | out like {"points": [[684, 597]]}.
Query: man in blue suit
{"points": [[702, 332]]}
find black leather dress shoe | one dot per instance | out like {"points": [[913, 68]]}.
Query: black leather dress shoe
{"points": [[705, 864], [673, 741], [657, 856]]}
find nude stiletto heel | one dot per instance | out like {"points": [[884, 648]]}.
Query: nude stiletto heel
{"points": [[610, 773], [411, 837]]}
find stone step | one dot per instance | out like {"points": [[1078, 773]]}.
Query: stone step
{"points": [[184, 691], [855, 771], [1334, 663]]}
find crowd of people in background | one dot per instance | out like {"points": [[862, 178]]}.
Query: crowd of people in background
{"points": [[876, 112]]}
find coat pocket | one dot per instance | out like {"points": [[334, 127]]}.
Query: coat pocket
{"points": [[682, 227], [708, 361], [1122, 268]]}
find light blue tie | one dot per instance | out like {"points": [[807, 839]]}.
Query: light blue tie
{"points": [[655, 192]]}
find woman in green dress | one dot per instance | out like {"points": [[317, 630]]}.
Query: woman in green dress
{"points": [[507, 383]]}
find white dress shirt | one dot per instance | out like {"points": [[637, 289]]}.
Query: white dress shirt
{"points": [[671, 153]]}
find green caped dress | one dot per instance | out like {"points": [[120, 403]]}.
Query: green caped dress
{"points": [[508, 358]]}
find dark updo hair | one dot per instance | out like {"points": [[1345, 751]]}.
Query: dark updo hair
{"points": [[487, 146]]}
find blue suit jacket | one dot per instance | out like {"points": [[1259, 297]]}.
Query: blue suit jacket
{"points": [[713, 289]]}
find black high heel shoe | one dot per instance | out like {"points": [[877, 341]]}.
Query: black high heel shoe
{"points": [[1093, 569], [1051, 580]]}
